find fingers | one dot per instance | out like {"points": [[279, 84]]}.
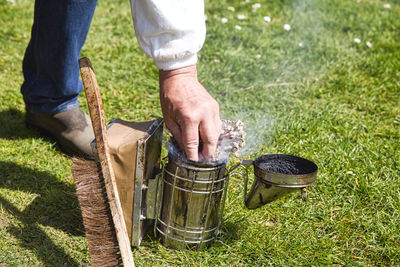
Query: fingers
{"points": [[175, 130], [209, 134], [188, 129], [190, 139], [187, 136]]}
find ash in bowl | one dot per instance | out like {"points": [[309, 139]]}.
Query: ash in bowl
{"points": [[279, 166], [285, 164], [231, 140]]}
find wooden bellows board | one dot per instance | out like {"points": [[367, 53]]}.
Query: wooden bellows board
{"points": [[99, 127]]}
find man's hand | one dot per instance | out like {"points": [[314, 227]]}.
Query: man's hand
{"points": [[189, 111]]}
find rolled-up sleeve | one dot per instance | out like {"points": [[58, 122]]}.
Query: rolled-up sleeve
{"points": [[170, 31]]}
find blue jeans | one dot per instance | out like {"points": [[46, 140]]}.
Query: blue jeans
{"points": [[50, 65]]}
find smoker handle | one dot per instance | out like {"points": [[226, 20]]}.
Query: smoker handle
{"points": [[245, 175]]}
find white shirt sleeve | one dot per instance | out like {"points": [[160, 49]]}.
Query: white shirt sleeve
{"points": [[170, 31]]}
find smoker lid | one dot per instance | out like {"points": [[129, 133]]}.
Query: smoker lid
{"points": [[195, 165], [285, 170]]}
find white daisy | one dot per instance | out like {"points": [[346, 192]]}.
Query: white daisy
{"points": [[267, 19], [287, 27], [301, 44], [231, 8], [241, 17], [237, 27], [224, 20], [387, 6], [369, 44], [256, 6], [357, 40], [258, 56]]}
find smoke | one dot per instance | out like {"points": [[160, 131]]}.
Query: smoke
{"points": [[259, 129], [263, 78], [174, 149]]}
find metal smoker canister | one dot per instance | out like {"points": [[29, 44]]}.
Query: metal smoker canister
{"points": [[192, 203]]}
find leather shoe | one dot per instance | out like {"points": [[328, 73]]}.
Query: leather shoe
{"points": [[72, 129]]}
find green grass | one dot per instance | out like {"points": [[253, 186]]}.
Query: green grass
{"points": [[340, 109]]}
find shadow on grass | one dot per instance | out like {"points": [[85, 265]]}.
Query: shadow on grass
{"points": [[229, 232], [12, 123], [13, 127], [54, 205]]}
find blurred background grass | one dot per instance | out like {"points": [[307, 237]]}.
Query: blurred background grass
{"points": [[313, 91]]}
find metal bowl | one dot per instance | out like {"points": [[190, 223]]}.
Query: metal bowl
{"points": [[285, 170]]}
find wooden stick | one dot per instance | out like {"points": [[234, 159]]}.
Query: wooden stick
{"points": [[278, 84], [265, 86], [99, 126]]}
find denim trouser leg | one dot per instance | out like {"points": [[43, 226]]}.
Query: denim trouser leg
{"points": [[50, 65]]}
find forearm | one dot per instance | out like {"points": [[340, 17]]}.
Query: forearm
{"points": [[170, 32]]}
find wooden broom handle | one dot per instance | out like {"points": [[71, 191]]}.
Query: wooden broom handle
{"points": [[99, 127]]}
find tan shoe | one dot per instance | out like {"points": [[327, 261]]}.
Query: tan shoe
{"points": [[72, 129]]}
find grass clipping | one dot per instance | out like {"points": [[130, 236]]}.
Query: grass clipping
{"points": [[231, 140], [97, 220]]}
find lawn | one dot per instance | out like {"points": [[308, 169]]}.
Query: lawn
{"points": [[326, 89]]}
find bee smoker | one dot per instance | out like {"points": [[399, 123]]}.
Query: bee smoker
{"points": [[192, 202], [193, 194], [184, 200]]}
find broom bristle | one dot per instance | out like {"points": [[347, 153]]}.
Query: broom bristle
{"points": [[96, 214]]}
